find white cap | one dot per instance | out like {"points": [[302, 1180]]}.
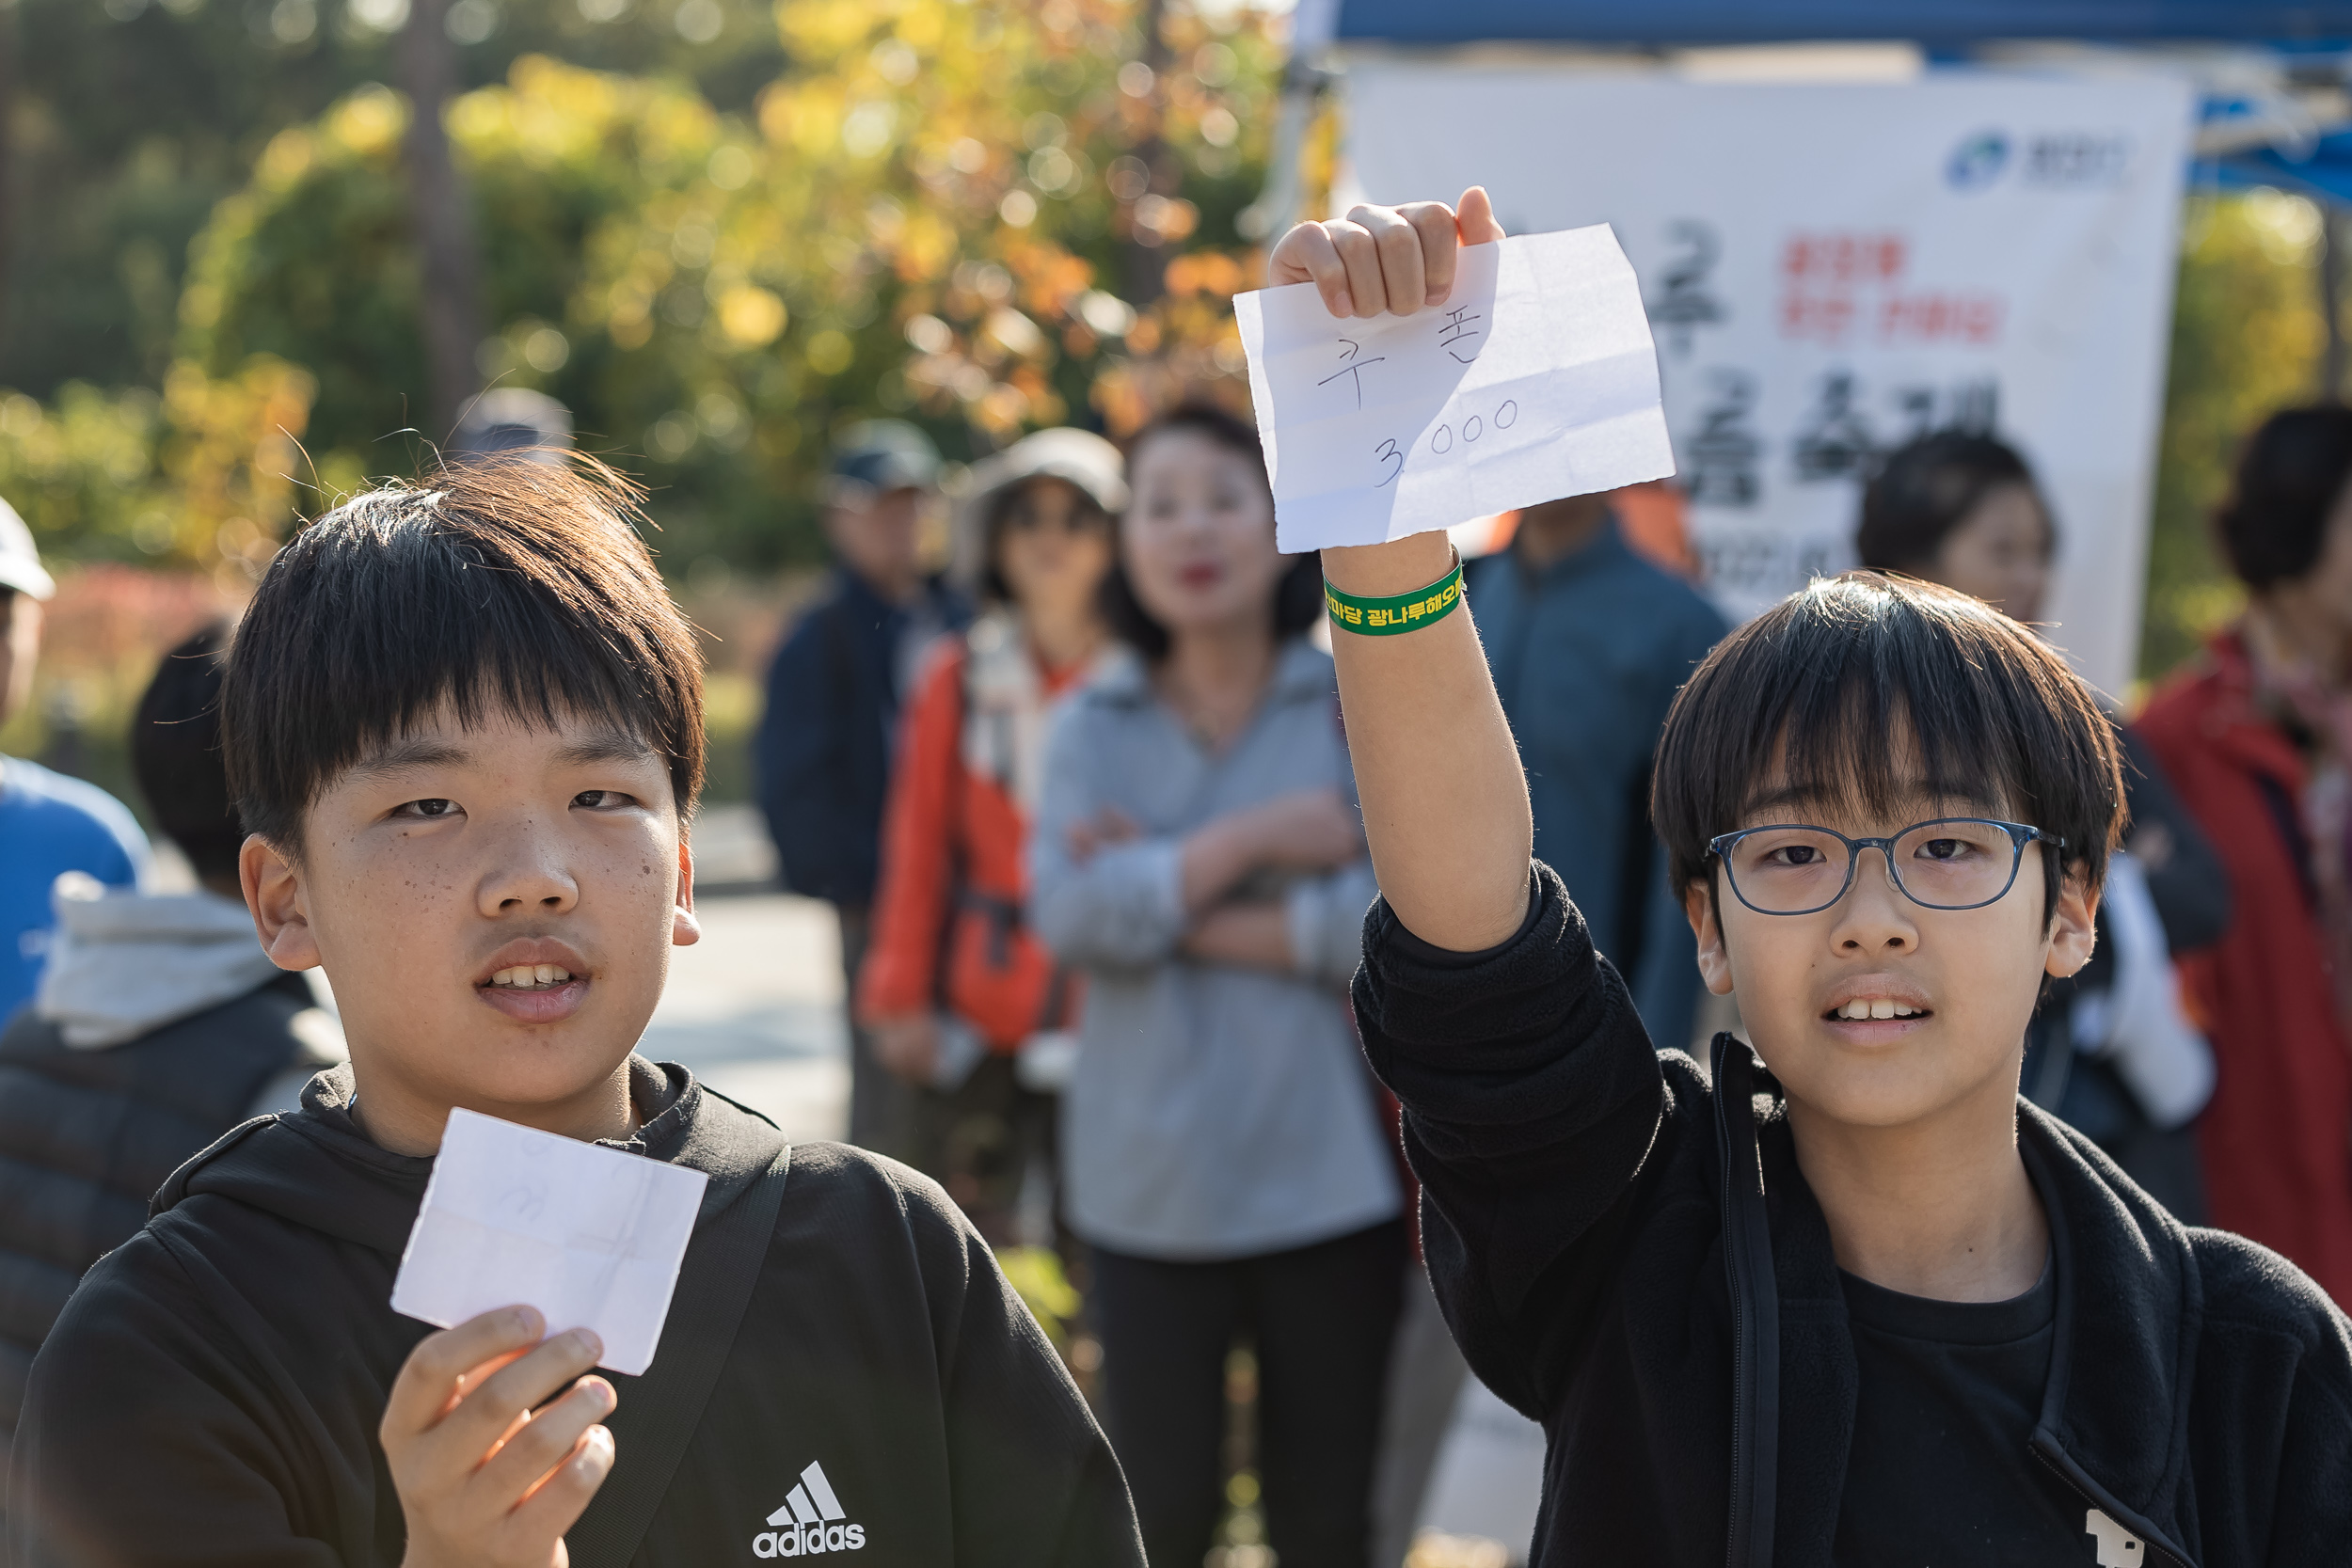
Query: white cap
{"points": [[1077, 457], [19, 563]]}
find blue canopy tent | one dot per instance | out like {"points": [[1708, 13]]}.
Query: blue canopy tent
{"points": [[1934, 22], [2251, 142], [2291, 129]]}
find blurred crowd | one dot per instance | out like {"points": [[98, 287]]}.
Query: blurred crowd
{"points": [[1082, 804]]}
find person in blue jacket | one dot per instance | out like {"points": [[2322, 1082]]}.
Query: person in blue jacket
{"points": [[823, 747], [49, 824], [1588, 643]]}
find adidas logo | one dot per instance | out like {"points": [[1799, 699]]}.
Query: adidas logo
{"points": [[809, 1522]]}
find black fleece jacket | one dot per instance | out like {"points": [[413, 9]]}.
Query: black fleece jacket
{"points": [[212, 1392], [1575, 1208]]}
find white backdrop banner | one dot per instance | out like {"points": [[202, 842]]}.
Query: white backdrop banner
{"points": [[1834, 268]]}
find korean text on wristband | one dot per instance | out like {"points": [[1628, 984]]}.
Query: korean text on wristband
{"points": [[1399, 612]]}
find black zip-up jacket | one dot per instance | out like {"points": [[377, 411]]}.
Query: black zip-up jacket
{"points": [[87, 1135], [1682, 1337], [212, 1392]]}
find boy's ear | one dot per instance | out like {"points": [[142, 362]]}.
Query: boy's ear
{"points": [[2074, 923], [274, 896], [1698, 902], [685, 928]]}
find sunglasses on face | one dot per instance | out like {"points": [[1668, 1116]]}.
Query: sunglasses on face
{"points": [[1074, 523]]}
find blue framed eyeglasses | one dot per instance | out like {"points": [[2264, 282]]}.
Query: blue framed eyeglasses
{"points": [[1950, 862]]}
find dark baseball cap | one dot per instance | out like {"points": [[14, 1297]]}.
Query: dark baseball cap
{"points": [[886, 454], [513, 419]]}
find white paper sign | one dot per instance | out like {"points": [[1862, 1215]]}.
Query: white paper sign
{"points": [[513, 1217], [1536, 379], [1834, 267]]}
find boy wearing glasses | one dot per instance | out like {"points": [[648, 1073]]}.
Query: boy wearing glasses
{"points": [[1854, 1303]]}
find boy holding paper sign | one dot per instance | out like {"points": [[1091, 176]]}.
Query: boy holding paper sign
{"points": [[1862, 1306], [464, 723]]}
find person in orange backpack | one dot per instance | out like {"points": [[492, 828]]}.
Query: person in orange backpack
{"points": [[961, 1000]]}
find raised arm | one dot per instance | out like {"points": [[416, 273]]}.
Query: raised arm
{"points": [[1444, 799]]}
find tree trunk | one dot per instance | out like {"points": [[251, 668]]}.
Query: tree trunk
{"points": [[10, 33], [442, 212], [1145, 261]]}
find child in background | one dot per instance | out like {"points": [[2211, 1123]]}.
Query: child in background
{"points": [[463, 721], [159, 1025], [1857, 1302], [2108, 1052], [50, 824]]}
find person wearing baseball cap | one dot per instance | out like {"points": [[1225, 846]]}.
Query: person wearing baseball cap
{"points": [[50, 824], [823, 751]]}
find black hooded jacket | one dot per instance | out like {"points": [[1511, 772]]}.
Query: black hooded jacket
{"points": [[211, 1394], [1696, 1376]]}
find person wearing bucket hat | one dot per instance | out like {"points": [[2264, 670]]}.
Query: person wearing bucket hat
{"points": [[50, 824], [959, 996], [834, 693]]}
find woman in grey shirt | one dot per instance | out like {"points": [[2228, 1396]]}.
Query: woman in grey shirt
{"points": [[1199, 857]]}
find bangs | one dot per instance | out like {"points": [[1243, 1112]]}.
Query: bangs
{"points": [[1868, 693], [510, 586]]}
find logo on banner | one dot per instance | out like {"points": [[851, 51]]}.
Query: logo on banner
{"points": [[1977, 161], [2076, 160]]}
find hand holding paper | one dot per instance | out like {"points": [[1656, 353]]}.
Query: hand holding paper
{"points": [[591, 1237], [1444, 791], [493, 1456], [1535, 378]]}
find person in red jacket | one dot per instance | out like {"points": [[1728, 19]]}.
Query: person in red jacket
{"points": [[2257, 737], [961, 999]]}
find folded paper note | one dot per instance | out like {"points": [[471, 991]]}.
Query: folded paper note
{"points": [[1536, 379], [513, 1217]]}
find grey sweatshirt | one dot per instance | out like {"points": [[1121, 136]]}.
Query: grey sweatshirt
{"points": [[1215, 1112]]}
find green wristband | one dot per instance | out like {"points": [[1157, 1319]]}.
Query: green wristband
{"points": [[1399, 612]]}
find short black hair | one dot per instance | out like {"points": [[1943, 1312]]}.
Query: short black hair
{"points": [[2288, 480], [1925, 489], [1813, 693], [1298, 593], [175, 755], [502, 581]]}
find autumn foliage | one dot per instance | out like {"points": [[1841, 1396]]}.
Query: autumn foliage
{"points": [[984, 216]]}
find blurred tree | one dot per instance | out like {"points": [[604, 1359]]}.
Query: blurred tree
{"points": [[912, 220], [134, 117], [2247, 338], [201, 475], [314, 262], [441, 217]]}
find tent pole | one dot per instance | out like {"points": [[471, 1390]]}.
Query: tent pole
{"points": [[2332, 300]]}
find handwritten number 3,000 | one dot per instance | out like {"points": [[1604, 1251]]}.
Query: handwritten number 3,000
{"points": [[1441, 440]]}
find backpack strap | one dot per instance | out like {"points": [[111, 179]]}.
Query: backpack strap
{"points": [[660, 1413]]}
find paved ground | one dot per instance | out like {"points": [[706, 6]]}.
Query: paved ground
{"points": [[754, 1010]]}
